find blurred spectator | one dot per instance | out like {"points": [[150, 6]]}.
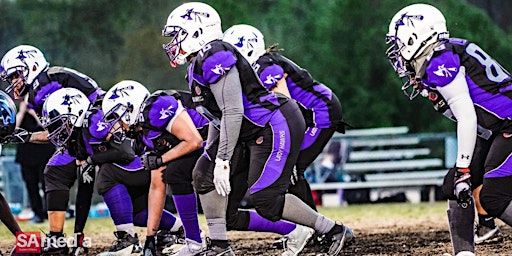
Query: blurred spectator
{"points": [[32, 159]]}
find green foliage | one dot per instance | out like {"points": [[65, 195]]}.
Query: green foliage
{"points": [[342, 43]]}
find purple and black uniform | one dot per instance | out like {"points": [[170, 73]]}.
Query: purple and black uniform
{"points": [[158, 114], [490, 89], [322, 111], [123, 183], [271, 128], [60, 172]]}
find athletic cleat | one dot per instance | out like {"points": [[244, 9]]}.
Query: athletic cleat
{"points": [[53, 245], [166, 238], [280, 243], [484, 234], [215, 250], [465, 253], [297, 239], [188, 247], [125, 244], [337, 241], [79, 249]]}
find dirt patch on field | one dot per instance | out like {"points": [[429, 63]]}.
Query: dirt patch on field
{"points": [[424, 237]]}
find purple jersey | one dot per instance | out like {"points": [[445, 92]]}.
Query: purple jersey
{"points": [[95, 137], [158, 112], [59, 77], [312, 95], [489, 84], [215, 61]]}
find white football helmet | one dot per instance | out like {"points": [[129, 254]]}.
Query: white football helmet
{"points": [[415, 27], [247, 39], [412, 30], [24, 62], [191, 26], [123, 102], [64, 110]]}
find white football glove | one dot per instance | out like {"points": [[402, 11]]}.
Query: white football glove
{"points": [[221, 177]]}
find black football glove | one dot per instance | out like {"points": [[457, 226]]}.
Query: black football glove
{"points": [[151, 162], [19, 136]]}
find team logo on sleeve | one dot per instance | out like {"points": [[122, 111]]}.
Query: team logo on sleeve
{"points": [[101, 126], [166, 112], [445, 72], [270, 79], [219, 70]]}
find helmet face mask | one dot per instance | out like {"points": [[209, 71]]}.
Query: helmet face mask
{"points": [[123, 101], [25, 63], [191, 26], [60, 129], [17, 84], [173, 49], [64, 111]]}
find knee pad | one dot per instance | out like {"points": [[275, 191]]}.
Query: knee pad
{"points": [[181, 188], [269, 207], [57, 200], [203, 176], [493, 204], [238, 220]]}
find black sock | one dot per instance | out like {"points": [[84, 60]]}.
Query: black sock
{"points": [[220, 243], [57, 234], [335, 230], [486, 221], [83, 205], [149, 239]]}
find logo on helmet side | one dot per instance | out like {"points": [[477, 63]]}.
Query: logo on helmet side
{"points": [[120, 92], [196, 16], [22, 54], [409, 19], [71, 99]]}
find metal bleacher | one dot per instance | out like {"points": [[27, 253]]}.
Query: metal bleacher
{"points": [[386, 159]]}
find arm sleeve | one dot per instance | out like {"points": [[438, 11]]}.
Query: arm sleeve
{"points": [[457, 96], [122, 153], [228, 95]]}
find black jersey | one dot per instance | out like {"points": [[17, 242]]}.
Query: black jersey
{"points": [[60, 77]]}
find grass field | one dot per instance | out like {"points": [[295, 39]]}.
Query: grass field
{"points": [[372, 213], [381, 229]]}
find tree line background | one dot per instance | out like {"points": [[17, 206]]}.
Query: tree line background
{"points": [[340, 42]]}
